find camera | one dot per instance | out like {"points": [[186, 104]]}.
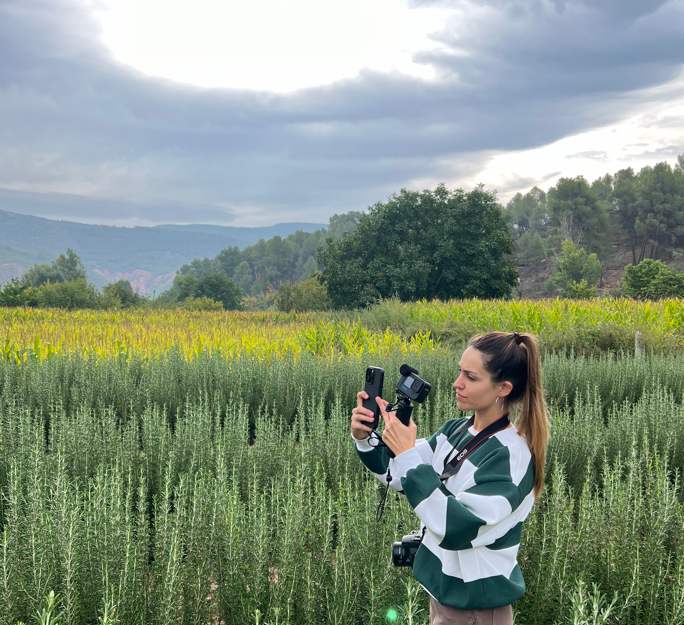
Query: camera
{"points": [[411, 385], [404, 552]]}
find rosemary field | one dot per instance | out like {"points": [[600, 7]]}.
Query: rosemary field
{"points": [[162, 480]]}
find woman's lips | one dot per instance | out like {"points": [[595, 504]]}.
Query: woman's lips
{"points": [[459, 396]]}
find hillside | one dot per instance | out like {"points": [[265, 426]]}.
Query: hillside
{"points": [[147, 256], [250, 235]]}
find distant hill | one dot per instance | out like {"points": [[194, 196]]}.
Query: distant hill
{"points": [[147, 256], [251, 235]]}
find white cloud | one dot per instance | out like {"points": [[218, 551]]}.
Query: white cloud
{"points": [[268, 44], [653, 131]]}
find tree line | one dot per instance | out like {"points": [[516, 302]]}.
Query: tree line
{"points": [[576, 223], [431, 244], [647, 206]]}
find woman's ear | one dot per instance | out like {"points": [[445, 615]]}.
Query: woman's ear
{"points": [[506, 388]]}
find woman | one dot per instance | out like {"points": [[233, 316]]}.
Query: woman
{"points": [[472, 517]]}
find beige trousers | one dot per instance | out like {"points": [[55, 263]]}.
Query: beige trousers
{"points": [[444, 615]]}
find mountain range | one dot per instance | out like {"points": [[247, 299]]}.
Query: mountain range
{"points": [[146, 256]]}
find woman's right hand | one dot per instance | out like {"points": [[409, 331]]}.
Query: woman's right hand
{"points": [[360, 418]]}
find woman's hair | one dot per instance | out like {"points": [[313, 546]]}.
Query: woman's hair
{"points": [[514, 357]]}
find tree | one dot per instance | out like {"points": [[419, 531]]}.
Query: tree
{"points": [[18, 293], [603, 188], [228, 260], [303, 296], [680, 163], [242, 276], [574, 266], [652, 279], [65, 268], [528, 212], [625, 195], [339, 225], [430, 244], [124, 293], [579, 214], [198, 267], [220, 288], [308, 268], [660, 220], [212, 286], [531, 249], [72, 295], [184, 286]]}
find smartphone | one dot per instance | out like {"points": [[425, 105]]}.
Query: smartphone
{"points": [[375, 376]]}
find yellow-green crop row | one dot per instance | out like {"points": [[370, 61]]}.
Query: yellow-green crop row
{"points": [[557, 315], [40, 334]]}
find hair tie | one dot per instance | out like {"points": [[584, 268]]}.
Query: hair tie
{"points": [[518, 338]]}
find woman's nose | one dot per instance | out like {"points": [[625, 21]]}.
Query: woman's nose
{"points": [[458, 384]]}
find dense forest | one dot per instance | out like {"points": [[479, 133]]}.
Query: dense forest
{"points": [[260, 269], [624, 218]]}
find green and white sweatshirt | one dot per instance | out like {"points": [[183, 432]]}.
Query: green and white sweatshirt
{"points": [[473, 521]]}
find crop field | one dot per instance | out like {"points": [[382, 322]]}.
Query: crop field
{"points": [[201, 470], [390, 327]]}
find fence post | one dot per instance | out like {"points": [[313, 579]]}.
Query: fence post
{"points": [[637, 345]]}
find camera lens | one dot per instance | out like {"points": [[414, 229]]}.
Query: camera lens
{"points": [[370, 374], [416, 385], [398, 554]]}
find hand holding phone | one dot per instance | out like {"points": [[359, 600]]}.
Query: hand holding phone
{"points": [[375, 376]]}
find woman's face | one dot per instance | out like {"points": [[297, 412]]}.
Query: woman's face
{"points": [[474, 387]]}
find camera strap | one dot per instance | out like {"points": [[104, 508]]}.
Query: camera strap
{"points": [[453, 466]]}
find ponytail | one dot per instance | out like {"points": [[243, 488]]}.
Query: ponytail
{"points": [[515, 358]]}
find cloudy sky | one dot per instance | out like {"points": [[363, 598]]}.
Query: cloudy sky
{"points": [[253, 113]]}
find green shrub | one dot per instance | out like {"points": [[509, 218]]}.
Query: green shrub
{"points": [[260, 302], [580, 290], [304, 296], [123, 291], [201, 303], [77, 294], [574, 266], [18, 293], [652, 279]]}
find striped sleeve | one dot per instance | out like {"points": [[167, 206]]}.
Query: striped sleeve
{"points": [[377, 460], [456, 520]]}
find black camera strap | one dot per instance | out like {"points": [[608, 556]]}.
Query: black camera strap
{"points": [[453, 466]]}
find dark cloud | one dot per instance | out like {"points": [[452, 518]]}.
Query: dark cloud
{"points": [[119, 212], [512, 75]]}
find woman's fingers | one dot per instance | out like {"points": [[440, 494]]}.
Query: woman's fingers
{"points": [[382, 404], [360, 414]]}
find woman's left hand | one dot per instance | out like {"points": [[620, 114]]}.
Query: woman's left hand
{"points": [[397, 436]]}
